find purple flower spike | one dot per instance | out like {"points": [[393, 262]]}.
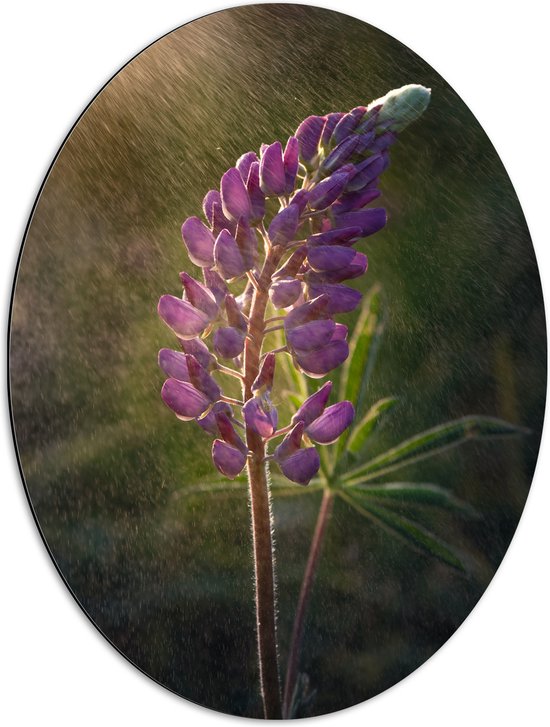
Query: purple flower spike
{"points": [[229, 460], [310, 336], [264, 379], [331, 423], [284, 225], [228, 342], [308, 135], [320, 362], [173, 364], [327, 191], [257, 198], [244, 163], [235, 199], [260, 415], [227, 255], [184, 319], [370, 221], [199, 350], [199, 296], [185, 401], [272, 171], [201, 379], [284, 292], [199, 242], [340, 298], [290, 162], [313, 406]]}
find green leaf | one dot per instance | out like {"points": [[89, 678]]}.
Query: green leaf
{"points": [[363, 348], [364, 428], [409, 532], [431, 442], [414, 493]]}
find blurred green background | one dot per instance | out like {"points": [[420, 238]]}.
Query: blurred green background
{"points": [[168, 578]]}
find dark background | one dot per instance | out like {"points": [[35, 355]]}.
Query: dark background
{"points": [[166, 578]]}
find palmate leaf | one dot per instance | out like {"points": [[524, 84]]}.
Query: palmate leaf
{"points": [[409, 532], [413, 493], [364, 428], [431, 442]]}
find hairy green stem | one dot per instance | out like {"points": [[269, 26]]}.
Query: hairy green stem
{"points": [[260, 506]]}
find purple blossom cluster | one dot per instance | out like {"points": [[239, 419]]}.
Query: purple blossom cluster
{"points": [[280, 232]]}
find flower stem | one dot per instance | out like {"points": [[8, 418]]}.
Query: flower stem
{"points": [[303, 602], [260, 506]]}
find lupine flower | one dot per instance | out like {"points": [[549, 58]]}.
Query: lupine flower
{"points": [[323, 182]]}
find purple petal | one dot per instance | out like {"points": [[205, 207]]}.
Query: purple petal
{"points": [[247, 242], [341, 153], [354, 269], [344, 127], [235, 317], [333, 421], [260, 416], [235, 199], [355, 201], [318, 363], [384, 141], [264, 379], [184, 319], [291, 442], [228, 433], [301, 466], [244, 163], [340, 332], [199, 350], [173, 364], [300, 199], [220, 221], [290, 162], [228, 342], [184, 400], [210, 198], [340, 298], [229, 460], [209, 423], [313, 406], [330, 124], [284, 292], [327, 191], [308, 135], [366, 171], [272, 170], [370, 221], [227, 255], [216, 284], [199, 296], [310, 336], [257, 198], [340, 236], [284, 225], [199, 242], [329, 257], [310, 311], [201, 379]]}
